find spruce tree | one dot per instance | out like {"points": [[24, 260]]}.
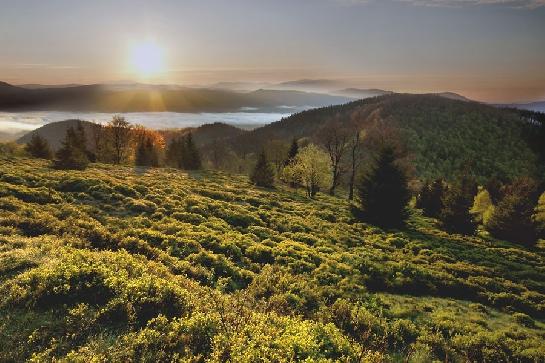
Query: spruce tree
{"points": [[384, 192], [512, 216], [292, 152], [38, 147], [263, 173], [174, 152], [146, 153], [72, 154], [190, 154], [430, 199], [457, 202], [494, 186]]}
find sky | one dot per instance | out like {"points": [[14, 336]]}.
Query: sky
{"points": [[488, 50]]}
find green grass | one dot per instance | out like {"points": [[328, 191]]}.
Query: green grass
{"points": [[127, 264]]}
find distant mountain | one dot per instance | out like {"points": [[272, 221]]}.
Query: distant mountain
{"points": [[144, 98], [453, 96], [533, 106], [443, 134], [362, 93], [40, 86]]}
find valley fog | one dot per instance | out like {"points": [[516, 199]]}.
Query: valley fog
{"points": [[18, 122]]}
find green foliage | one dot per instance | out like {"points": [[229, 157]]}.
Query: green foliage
{"points": [[512, 217], [38, 147], [72, 154], [146, 153], [539, 215], [457, 202], [430, 198], [383, 191], [157, 265], [310, 168], [263, 173], [183, 153], [483, 208], [292, 152]]}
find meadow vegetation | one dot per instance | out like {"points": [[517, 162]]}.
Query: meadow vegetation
{"points": [[132, 263]]}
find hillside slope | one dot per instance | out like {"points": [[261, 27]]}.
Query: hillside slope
{"points": [[55, 132], [133, 264], [443, 134]]}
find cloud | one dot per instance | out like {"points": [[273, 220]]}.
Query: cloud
{"points": [[516, 4]]}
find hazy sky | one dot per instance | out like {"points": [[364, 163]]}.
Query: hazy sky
{"points": [[491, 50]]}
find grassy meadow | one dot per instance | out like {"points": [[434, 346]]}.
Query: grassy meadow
{"points": [[120, 263]]}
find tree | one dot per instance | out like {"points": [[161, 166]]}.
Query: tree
{"points": [[355, 158], [191, 159], [457, 202], [494, 186], [72, 154], [512, 217], [263, 173], [430, 198], [38, 147], [384, 192], [539, 216], [483, 207], [120, 137], [310, 168], [174, 152], [276, 153], [149, 146], [292, 152], [335, 140], [146, 153], [183, 154]]}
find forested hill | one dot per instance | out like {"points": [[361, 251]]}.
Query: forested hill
{"points": [[443, 134]]}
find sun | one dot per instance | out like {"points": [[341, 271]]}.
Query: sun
{"points": [[147, 59]]}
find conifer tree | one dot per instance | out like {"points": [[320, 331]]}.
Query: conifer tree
{"points": [[174, 152], [430, 199], [190, 154], [384, 192], [494, 187], [457, 202], [292, 152], [72, 154], [38, 147], [512, 217], [263, 173], [146, 153]]}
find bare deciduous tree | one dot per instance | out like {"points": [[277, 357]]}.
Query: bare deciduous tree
{"points": [[335, 139], [120, 133]]}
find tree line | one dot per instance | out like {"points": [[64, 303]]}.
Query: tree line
{"points": [[117, 142], [373, 166]]}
